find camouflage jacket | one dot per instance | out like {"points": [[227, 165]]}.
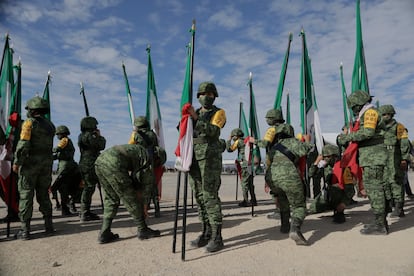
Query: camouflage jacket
{"points": [[146, 138], [90, 145], [240, 147]]}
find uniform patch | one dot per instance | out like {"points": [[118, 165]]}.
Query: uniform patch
{"points": [[270, 134], [370, 118], [219, 118], [401, 131], [26, 132]]}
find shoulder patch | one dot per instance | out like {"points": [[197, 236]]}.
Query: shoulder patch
{"points": [[219, 118], [234, 146], [401, 131], [370, 118], [132, 138], [270, 134], [26, 132], [63, 142]]}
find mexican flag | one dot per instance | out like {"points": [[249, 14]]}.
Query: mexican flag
{"points": [[129, 96]]}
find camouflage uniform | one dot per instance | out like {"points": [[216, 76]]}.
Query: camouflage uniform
{"points": [[206, 167], [68, 175], [118, 169], [33, 159], [286, 180], [246, 176], [144, 136], [372, 156], [90, 143], [394, 175]]}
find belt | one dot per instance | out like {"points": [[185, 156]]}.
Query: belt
{"points": [[200, 140], [390, 147], [371, 142]]}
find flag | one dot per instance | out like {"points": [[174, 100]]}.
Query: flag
{"points": [[282, 78], [253, 154], [287, 109], [243, 122], [184, 150], [46, 94], [344, 96], [309, 110], [129, 96], [359, 74]]}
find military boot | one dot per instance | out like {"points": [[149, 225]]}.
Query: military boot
{"points": [[49, 230], [398, 210], [216, 242], [204, 237], [295, 233], [89, 216], [253, 196], [338, 217], [24, 232], [157, 208], [388, 206], [285, 224], [148, 233], [106, 235], [245, 202], [380, 227]]}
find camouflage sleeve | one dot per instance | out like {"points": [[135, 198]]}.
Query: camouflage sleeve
{"points": [[268, 138], [22, 152], [229, 146], [369, 123], [207, 128], [405, 149], [312, 170]]}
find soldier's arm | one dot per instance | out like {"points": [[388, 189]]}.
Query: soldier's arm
{"points": [[212, 128], [23, 146], [267, 139], [367, 131]]}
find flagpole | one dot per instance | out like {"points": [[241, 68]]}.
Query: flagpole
{"points": [[282, 78], [251, 119]]}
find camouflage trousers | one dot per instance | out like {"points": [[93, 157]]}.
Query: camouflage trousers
{"points": [[118, 185], [394, 178], [34, 179], [373, 178], [205, 180], [90, 180], [246, 181]]}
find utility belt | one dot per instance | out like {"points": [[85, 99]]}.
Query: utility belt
{"points": [[285, 151], [371, 142], [390, 147], [200, 140]]}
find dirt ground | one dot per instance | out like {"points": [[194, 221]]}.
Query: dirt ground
{"points": [[253, 244]]}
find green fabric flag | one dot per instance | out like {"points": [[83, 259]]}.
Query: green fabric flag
{"points": [[153, 113], [6, 86], [187, 95], [287, 109], [359, 74], [278, 99], [46, 94], [344, 96], [129, 96], [253, 122], [243, 122]]}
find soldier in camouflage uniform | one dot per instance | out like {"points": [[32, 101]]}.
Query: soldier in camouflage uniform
{"points": [[90, 143], [205, 170], [33, 161], [145, 137], [394, 175], [68, 175], [372, 156], [246, 178], [119, 170]]}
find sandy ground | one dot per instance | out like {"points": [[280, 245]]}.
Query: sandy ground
{"points": [[253, 244]]}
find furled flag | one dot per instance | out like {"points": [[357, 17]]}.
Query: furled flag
{"points": [[309, 109], [243, 122], [344, 96], [184, 150], [129, 96], [46, 94], [278, 99], [359, 74], [287, 109]]}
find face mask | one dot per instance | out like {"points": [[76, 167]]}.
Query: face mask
{"points": [[270, 121], [205, 101], [356, 109]]}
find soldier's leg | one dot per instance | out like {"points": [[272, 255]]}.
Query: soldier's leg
{"points": [[245, 185], [42, 196], [26, 193], [397, 190], [284, 209], [90, 181]]}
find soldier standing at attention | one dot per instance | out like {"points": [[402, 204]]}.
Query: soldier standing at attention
{"points": [[246, 178], [90, 143], [33, 161], [205, 170], [118, 169], [147, 138], [372, 156]]}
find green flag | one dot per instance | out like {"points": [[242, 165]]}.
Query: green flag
{"points": [[243, 122], [46, 94], [344, 104], [129, 96], [187, 95], [282, 78], [6, 86], [359, 74], [287, 109], [153, 113], [253, 122]]}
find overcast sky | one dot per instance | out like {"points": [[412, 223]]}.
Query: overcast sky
{"points": [[86, 41]]}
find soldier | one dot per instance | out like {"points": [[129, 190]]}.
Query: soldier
{"points": [[246, 177], [90, 143], [394, 174], [372, 156], [33, 162], [145, 137], [205, 170], [68, 175], [285, 180], [119, 170]]}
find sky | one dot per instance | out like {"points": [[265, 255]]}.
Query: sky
{"points": [[87, 41]]}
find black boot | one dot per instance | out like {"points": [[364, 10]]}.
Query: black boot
{"points": [[148, 233], [244, 203], [107, 236], [398, 210], [295, 233], [338, 217], [380, 227], [204, 237], [388, 206], [285, 224], [24, 232], [157, 208], [216, 242], [49, 230]]}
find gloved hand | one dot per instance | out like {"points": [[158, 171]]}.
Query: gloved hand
{"points": [[342, 139]]}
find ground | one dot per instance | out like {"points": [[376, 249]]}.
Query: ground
{"points": [[253, 244]]}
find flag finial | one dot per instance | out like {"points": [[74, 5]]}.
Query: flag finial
{"points": [[148, 49]]}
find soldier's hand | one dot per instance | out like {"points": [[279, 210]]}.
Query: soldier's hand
{"points": [[306, 137], [252, 140], [15, 168], [342, 139]]}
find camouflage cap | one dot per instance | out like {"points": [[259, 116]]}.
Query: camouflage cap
{"points": [[37, 103], [386, 109], [207, 86], [141, 121], [275, 114], [329, 149], [237, 132], [358, 97], [62, 130], [88, 122]]}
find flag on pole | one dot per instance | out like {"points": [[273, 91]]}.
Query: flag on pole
{"points": [[309, 109], [243, 122], [184, 150], [287, 109], [278, 99], [359, 74], [253, 127], [46, 94], [129, 96], [344, 96]]}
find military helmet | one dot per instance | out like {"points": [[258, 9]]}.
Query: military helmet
{"points": [[386, 109], [207, 86], [285, 129], [237, 132], [88, 122], [160, 156], [358, 97], [275, 114], [37, 103], [62, 130], [329, 149], [141, 122]]}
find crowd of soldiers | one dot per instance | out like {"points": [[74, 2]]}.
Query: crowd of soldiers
{"points": [[377, 144]]}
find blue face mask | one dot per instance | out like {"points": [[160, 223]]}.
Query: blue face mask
{"points": [[205, 101]]}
